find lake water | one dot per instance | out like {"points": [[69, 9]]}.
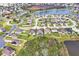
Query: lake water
{"points": [[52, 11], [2, 43], [73, 47]]}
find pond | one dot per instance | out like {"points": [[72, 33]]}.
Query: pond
{"points": [[52, 11], [72, 47]]}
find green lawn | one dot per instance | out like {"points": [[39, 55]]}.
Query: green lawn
{"points": [[56, 34], [34, 45], [39, 23], [1, 33], [77, 25], [23, 35], [7, 27], [69, 23], [0, 52], [8, 38]]}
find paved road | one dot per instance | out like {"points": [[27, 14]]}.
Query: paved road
{"points": [[36, 22], [73, 26], [2, 43], [12, 29], [36, 26]]}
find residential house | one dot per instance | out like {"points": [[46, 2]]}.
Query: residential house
{"points": [[40, 32], [47, 31], [32, 32], [8, 51]]}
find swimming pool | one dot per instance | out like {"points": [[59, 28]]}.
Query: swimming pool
{"points": [[52, 11]]}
